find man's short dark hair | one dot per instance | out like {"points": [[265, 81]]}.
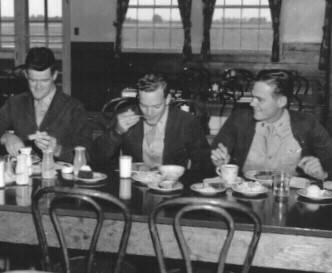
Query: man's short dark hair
{"points": [[151, 82], [281, 81], [40, 59]]}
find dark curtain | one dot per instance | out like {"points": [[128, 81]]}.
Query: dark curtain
{"points": [[122, 7], [324, 56], [275, 7], [208, 8], [185, 11]]}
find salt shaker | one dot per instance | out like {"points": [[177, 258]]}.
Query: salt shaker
{"points": [[27, 151], [79, 159], [48, 166]]}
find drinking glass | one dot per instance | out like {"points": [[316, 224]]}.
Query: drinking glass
{"points": [[280, 184]]}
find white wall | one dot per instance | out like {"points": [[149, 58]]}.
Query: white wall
{"points": [[94, 18], [301, 21]]}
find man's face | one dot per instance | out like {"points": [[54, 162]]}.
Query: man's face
{"points": [[267, 106], [153, 105], [41, 83]]}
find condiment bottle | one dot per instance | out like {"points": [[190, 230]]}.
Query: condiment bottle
{"points": [[22, 176], [27, 151], [48, 166], [79, 159]]}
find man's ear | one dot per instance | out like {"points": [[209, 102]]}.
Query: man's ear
{"points": [[282, 101], [168, 99], [55, 75]]}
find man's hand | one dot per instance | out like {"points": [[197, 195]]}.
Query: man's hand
{"points": [[46, 142], [312, 167], [126, 120], [12, 143], [220, 155]]}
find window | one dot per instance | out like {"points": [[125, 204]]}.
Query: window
{"points": [[45, 23], [241, 25], [7, 24], [153, 25]]}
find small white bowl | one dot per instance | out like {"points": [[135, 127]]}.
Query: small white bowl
{"points": [[171, 172]]}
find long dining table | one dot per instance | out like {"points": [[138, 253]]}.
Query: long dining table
{"points": [[296, 233]]}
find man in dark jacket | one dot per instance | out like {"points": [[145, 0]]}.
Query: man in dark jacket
{"points": [[44, 117], [269, 137], [156, 133]]}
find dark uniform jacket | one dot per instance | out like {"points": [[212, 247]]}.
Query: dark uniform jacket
{"points": [[238, 132]]}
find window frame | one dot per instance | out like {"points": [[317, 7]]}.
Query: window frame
{"points": [[241, 51], [154, 6]]}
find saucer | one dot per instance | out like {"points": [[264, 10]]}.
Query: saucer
{"points": [[155, 186], [250, 189], [208, 190], [324, 195]]}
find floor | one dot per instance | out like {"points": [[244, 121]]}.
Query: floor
{"points": [[27, 257]]}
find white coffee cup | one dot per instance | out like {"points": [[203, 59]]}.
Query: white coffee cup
{"points": [[228, 172]]}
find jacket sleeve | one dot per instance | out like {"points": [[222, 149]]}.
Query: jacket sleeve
{"points": [[199, 150], [81, 134], [106, 148], [321, 143], [5, 122], [227, 134]]}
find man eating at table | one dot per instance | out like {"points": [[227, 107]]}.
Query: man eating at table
{"points": [[270, 137], [156, 133], [43, 117]]}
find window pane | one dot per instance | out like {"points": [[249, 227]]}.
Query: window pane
{"points": [[265, 14], [249, 39], [54, 8], [8, 41], [7, 9], [162, 17], [145, 2], [162, 38], [163, 2], [233, 2], [145, 38], [250, 16], [220, 2], [251, 2], [131, 17], [7, 28], [36, 9], [145, 17], [232, 17], [177, 39], [55, 29], [129, 38], [153, 24], [37, 29], [231, 39]]}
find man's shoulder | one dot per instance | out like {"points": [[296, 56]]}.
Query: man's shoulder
{"points": [[68, 99], [302, 117], [177, 113]]}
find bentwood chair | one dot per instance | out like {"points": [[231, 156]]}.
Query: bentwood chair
{"points": [[223, 210], [92, 200]]}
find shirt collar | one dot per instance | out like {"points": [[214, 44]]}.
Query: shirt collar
{"points": [[280, 126]]}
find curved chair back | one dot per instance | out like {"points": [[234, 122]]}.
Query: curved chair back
{"points": [[222, 209], [56, 196]]}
